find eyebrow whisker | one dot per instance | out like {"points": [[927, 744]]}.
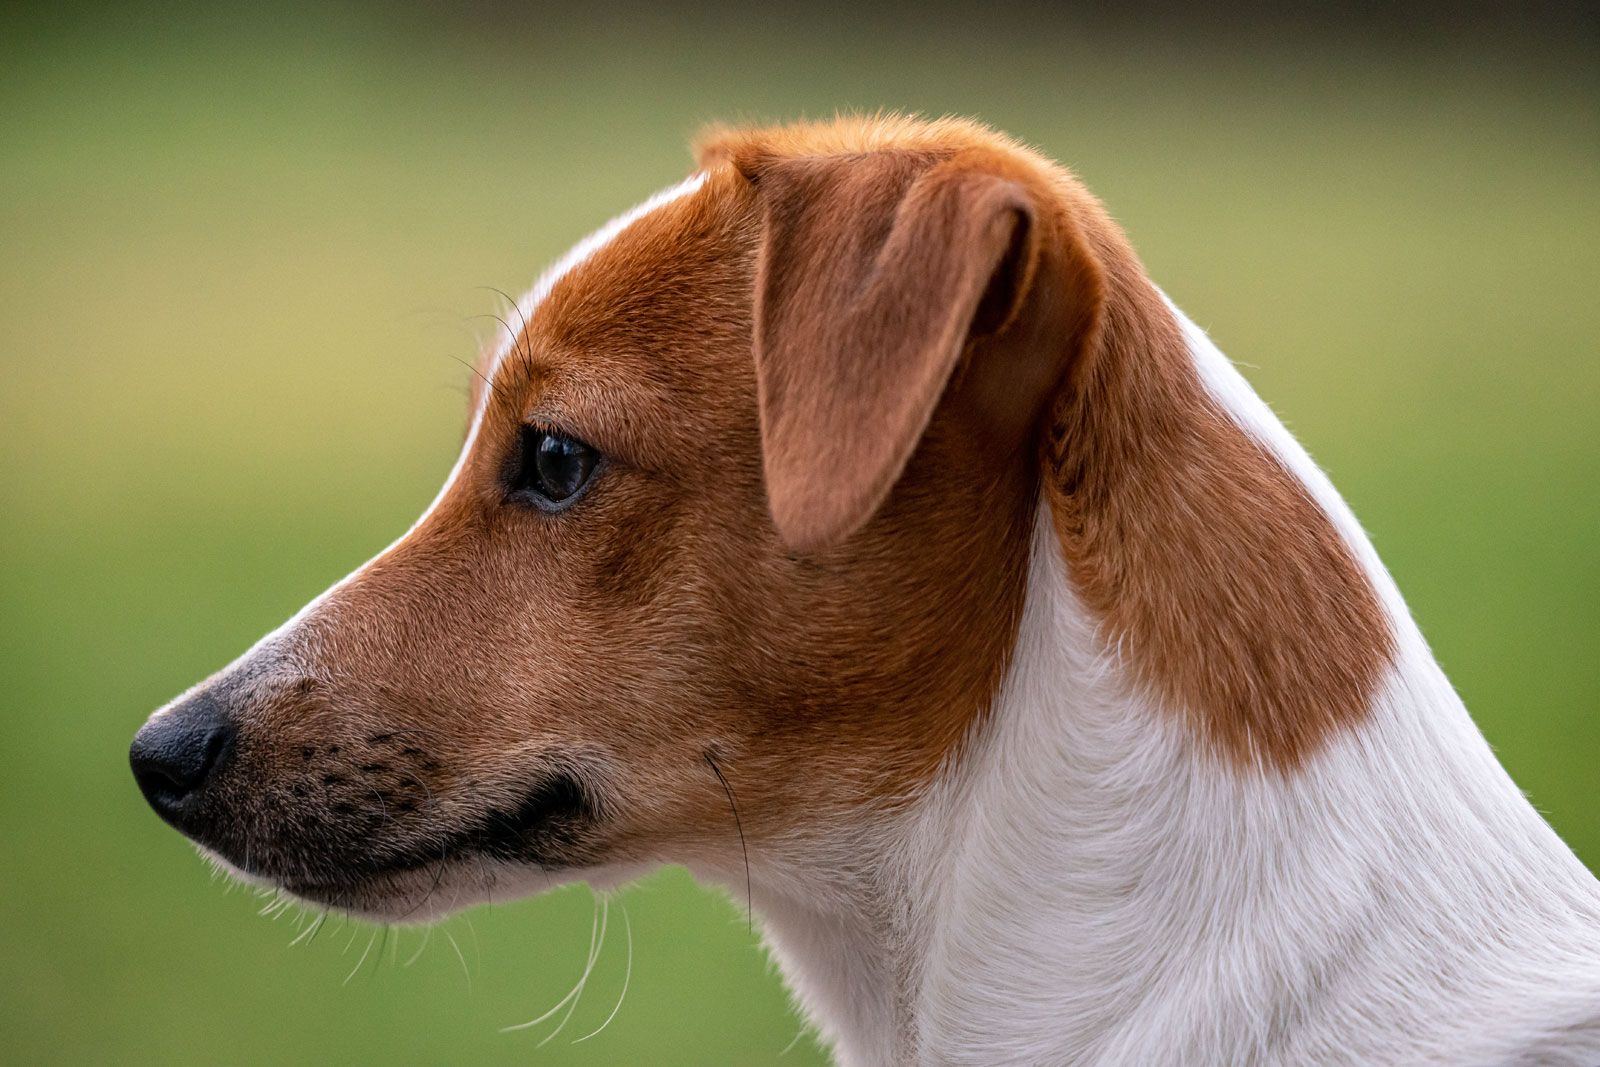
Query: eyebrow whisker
{"points": [[516, 305], [515, 349]]}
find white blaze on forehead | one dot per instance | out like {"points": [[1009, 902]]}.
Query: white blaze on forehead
{"points": [[588, 247], [529, 305]]}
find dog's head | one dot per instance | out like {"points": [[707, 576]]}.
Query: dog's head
{"points": [[742, 519]]}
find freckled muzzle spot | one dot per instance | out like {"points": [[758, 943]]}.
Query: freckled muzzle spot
{"points": [[337, 821]]}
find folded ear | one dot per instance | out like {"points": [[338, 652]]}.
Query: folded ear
{"points": [[877, 273]]}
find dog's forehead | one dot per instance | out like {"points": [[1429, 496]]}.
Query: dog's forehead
{"points": [[652, 282], [639, 337], [528, 307]]}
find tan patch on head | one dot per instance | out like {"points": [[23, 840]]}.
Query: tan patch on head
{"points": [[828, 385], [1226, 586], [1235, 599]]}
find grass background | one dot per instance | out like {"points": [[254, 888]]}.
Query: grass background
{"points": [[238, 262]]}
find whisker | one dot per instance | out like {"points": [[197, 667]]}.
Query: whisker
{"points": [[527, 341], [511, 335], [382, 807], [492, 389], [453, 944], [477, 949], [594, 928], [749, 898], [474, 370], [427, 935], [627, 977], [382, 944], [595, 948], [362, 960], [516, 305], [795, 1040], [309, 934], [438, 874]]}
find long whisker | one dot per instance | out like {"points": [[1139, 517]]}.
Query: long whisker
{"points": [[477, 947], [377, 960], [474, 370], [427, 935], [362, 960], [527, 339], [594, 933], [795, 1040], [738, 824], [511, 334], [276, 905], [438, 874], [382, 807], [627, 977], [492, 393], [588, 969], [453, 944], [515, 349]]}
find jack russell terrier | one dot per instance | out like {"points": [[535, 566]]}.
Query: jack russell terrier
{"points": [[856, 524]]}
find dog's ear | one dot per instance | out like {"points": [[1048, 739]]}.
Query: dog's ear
{"points": [[877, 273]]}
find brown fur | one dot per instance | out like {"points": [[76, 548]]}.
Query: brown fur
{"points": [[808, 564], [1233, 596]]}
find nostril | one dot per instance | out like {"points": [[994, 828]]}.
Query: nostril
{"points": [[177, 767], [152, 775], [215, 743], [173, 755]]}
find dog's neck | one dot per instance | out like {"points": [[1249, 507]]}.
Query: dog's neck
{"points": [[1088, 882]]}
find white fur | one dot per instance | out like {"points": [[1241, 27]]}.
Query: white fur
{"points": [[1086, 884]]}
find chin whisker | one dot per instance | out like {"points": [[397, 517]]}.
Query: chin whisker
{"points": [[627, 977], [309, 934], [597, 925], [457, 946]]}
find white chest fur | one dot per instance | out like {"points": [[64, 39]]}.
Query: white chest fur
{"points": [[1088, 884]]}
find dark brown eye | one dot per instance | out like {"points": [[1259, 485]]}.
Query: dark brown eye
{"points": [[551, 469]]}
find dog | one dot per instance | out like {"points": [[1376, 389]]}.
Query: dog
{"points": [[857, 525]]}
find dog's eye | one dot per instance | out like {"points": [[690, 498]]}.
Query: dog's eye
{"points": [[551, 469]]}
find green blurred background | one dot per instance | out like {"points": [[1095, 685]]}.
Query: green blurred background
{"points": [[240, 259]]}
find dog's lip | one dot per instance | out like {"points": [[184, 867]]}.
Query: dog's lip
{"points": [[355, 890], [372, 893], [546, 828], [345, 895], [297, 884], [558, 803]]}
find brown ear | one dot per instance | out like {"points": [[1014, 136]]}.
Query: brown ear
{"points": [[876, 272]]}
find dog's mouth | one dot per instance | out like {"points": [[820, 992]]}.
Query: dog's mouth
{"points": [[420, 871]]}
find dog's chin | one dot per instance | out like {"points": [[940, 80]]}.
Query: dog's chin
{"points": [[415, 894], [546, 839]]}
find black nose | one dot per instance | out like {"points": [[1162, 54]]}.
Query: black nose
{"points": [[173, 755]]}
